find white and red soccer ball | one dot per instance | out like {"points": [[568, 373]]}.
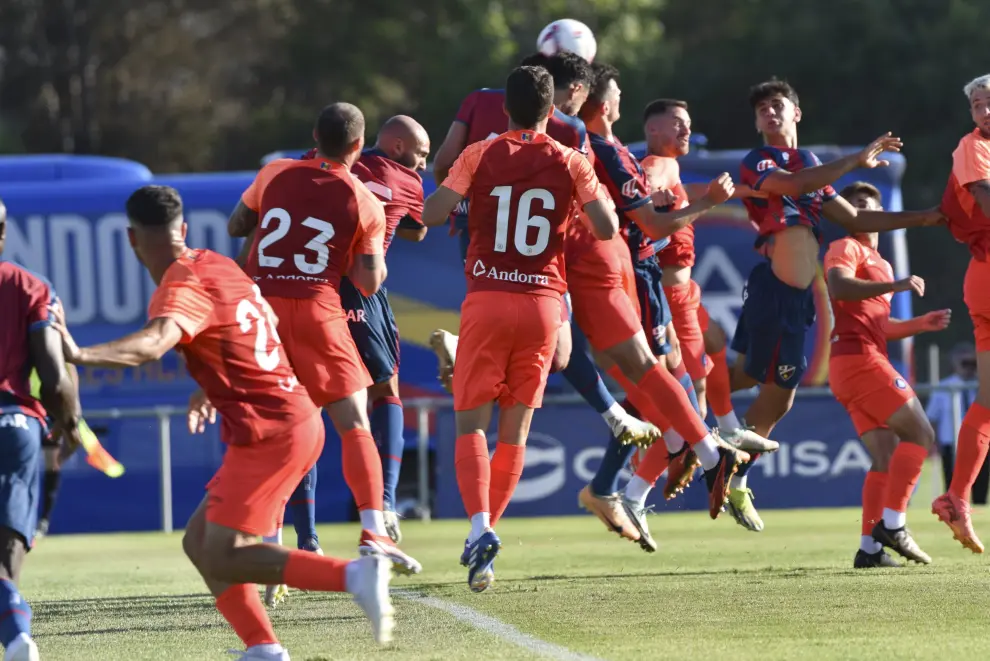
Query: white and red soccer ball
{"points": [[570, 35]]}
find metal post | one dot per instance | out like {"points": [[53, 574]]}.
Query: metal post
{"points": [[957, 413], [423, 449], [165, 452], [934, 366]]}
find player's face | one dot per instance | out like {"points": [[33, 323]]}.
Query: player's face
{"points": [[576, 96], [669, 134], [414, 154], [979, 109], [866, 202], [777, 116], [612, 99]]}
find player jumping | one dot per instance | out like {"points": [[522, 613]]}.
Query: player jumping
{"points": [[884, 409], [481, 116], [778, 304], [966, 204], [215, 316], [298, 260], [522, 186], [26, 339]]}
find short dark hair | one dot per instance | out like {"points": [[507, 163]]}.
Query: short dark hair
{"points": [[338, 127], [661, 106], [603, 74], [566, 68], [771, 88], [528, 95], [154, 206], [862, 188]]}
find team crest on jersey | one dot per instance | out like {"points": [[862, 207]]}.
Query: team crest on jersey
{"points": [[900, 383], [630, 188], [764, 165], [786, 372]]}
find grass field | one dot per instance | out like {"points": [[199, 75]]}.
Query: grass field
{"points": [[713, 590]]}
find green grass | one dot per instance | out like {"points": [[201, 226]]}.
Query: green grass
{"points": [[712, 590]]}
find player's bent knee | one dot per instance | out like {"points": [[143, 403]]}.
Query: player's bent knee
{"points": [[714, 338], [380, 391], [633, 357], [13, 548]]}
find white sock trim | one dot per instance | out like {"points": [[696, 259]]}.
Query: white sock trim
{"points": [[892, 519], [637, 490], [374, 521], [707, 451], [869, 545], [673, 440]]}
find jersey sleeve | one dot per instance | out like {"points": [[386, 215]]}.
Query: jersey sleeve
{"points": [[843, 254], [414, 204], [587, 188], [184, 300], [252, 196], [370, 238], [630, 185], [39, 297], [466, 112], [828, 192], [971, 161], [758, 165], [462, 172]]}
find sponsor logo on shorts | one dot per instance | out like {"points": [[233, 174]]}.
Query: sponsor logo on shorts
{"points": [[356, 316], [660, 334], [482, 271], [900, 383], [15, 420], [786, 372]]}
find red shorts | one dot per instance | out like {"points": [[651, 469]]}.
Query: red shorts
{"points": [[250, 489], [319, 345], [505, 348], [685, 306], [604, 306], [869, 388], [976, 293], [703, 319]]}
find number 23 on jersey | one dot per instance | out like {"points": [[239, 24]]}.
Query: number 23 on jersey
{"points": [[312, 263]]}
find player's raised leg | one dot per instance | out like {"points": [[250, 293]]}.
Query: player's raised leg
{"points": [[387, 423], [718, 384]]}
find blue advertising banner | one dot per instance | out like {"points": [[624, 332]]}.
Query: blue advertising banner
{"points": [[820, 468]]}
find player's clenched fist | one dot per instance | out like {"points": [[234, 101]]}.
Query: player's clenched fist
{"points": [[912, 283], [936, 320], [720, 189], [663, 198]]}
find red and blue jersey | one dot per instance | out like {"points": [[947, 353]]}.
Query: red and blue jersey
{"points": [[399, 188], [26, 299], [570, 132], [626, 182], [778, 212], [483, 113]]}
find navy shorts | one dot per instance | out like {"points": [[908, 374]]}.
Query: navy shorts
{"points": [[653, 308], [772, 327], [374, 330], [20, 463]]}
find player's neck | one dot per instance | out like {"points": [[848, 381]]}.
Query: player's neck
{"points": [[599, 126], [781, 140], [158, 263], [339, 160]]}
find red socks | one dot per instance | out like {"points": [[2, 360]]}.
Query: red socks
{"points": [[719, 385], [666, 394], [308, 571], [506, 469], [654, 463], [241, 606], [971, 451], [646, 408], [363, 469], [474, 472], [874, 487], [903, 473]]}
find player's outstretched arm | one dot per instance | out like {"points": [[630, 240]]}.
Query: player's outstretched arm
{"points": [[452, 146], [148, 344], [438, 206], [864, 221], [936, 320], [843, 285], [242, 221], [661, 224]]}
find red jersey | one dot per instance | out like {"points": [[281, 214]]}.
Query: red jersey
{"points": [[968, 223], [231, 347], [860, 326], [25, 299], [399, 188], [483, 113], [523, 186], [664, 173], [314, 217]]}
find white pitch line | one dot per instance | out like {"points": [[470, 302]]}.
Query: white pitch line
{"points": [[497, 628]]}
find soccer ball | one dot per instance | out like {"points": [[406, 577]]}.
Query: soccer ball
{"points": [[570, 35]]}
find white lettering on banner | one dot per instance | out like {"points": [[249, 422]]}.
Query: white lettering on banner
{"points": [[811, 459], [112, 244], [73, 279], [90, 262], [723, 305]]}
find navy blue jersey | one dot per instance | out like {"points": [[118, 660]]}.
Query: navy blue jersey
{"points": [[626, 182], [778, 212]]}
